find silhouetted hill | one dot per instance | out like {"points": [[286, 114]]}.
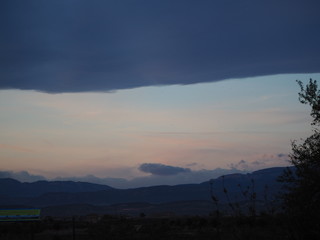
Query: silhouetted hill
{"points": [[229, 188], [262, 182], [14, 188]]}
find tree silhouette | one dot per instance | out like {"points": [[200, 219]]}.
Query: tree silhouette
{"points": [[302, 196]]}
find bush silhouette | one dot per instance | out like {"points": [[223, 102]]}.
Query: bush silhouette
{"points": [[302, 195]]}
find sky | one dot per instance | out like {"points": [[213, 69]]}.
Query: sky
{"points": [[136, 93]]}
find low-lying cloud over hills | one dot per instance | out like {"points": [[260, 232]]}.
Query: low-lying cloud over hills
{"points": [[161, 169], [22, 176]]}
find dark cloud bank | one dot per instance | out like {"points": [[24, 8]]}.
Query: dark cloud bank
{"points": [[161, 169], [80, 45]]}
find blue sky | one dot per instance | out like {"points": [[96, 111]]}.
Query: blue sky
{"points": [[130, 89]]}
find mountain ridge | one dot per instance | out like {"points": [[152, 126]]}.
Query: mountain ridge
{"points": [[228, 188], [15, 188]]}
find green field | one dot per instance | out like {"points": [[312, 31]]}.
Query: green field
{"points": [[19, 214]]}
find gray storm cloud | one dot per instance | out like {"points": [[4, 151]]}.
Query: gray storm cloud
{"points": [[80, 45], [161, 169]]}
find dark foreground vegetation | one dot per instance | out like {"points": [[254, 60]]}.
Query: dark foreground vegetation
{"points": [[111, 227]]}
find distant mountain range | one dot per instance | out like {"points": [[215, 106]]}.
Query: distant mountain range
{"points": [[176, 176], [96, 198], [14, 188]]}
